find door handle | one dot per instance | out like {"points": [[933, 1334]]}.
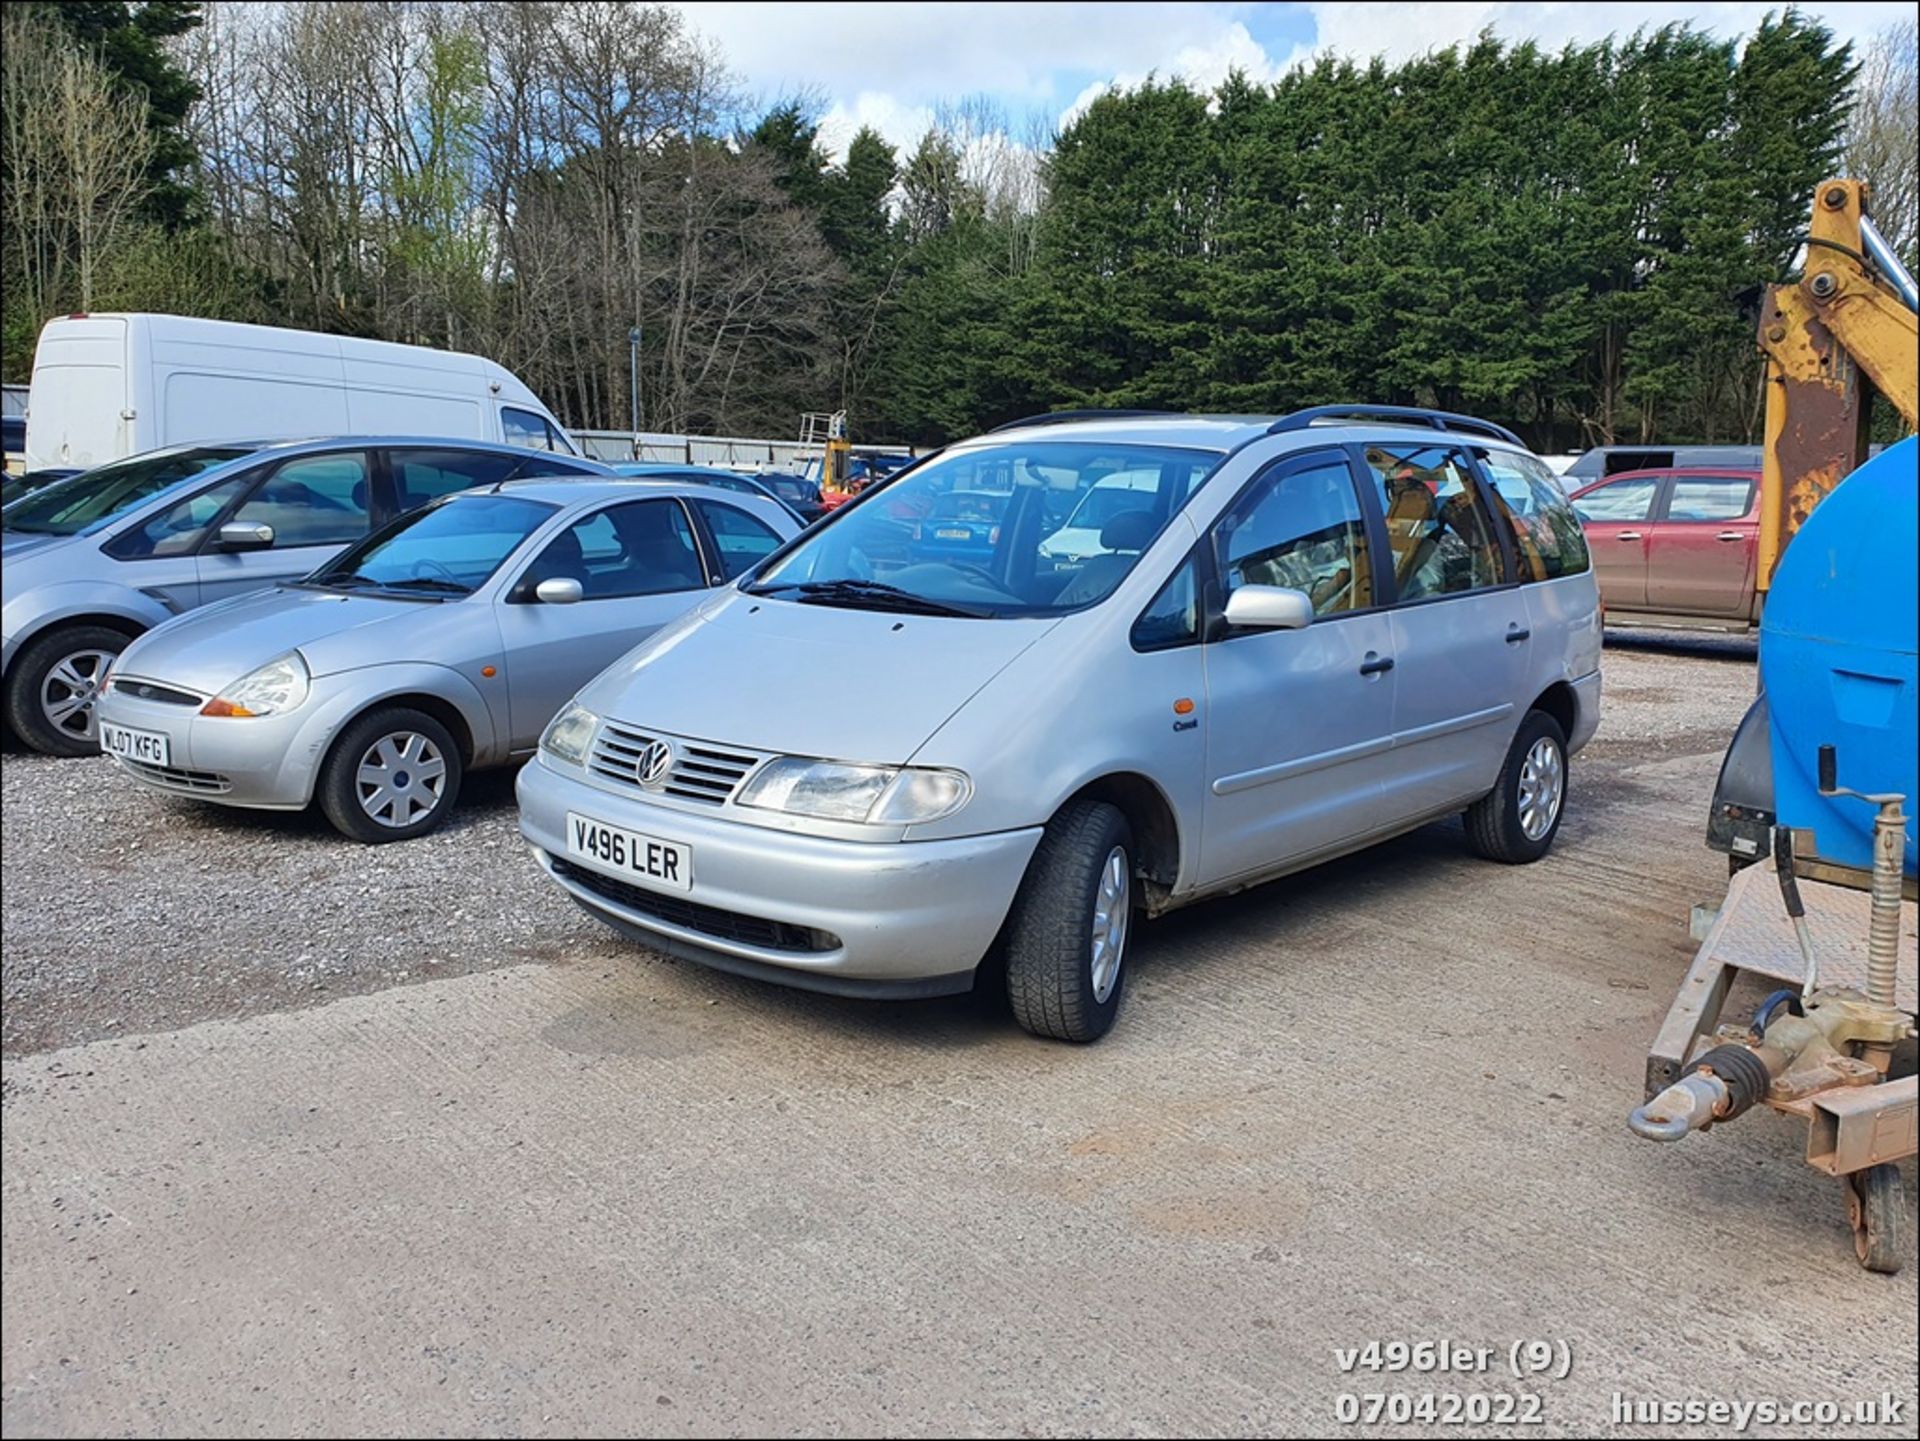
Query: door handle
{"points": [[1517, 633], [1729, 535], [1376, 664], [1628, 535]]}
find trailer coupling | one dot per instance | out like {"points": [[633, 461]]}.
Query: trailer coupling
{"points": [[1794, 1050]]}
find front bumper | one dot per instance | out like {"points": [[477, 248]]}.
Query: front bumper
{"points": [[257, 762], [850, 917]]}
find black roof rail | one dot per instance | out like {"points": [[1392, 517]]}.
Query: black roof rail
{"points": [[1411, 414], [1061, 417]]}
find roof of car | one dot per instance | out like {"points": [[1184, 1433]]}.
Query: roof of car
{"points": [[1743, 472], [585, 490], [1215, 432]]}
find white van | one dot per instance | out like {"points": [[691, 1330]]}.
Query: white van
{"points": [[110, 386]]}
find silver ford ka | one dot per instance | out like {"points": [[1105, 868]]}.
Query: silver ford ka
{"points": [[444, 641], [875, 761]]}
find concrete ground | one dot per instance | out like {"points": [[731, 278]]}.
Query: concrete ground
{"points": [[589, 1191]]}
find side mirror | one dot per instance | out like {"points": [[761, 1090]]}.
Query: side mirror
{"points": [[245, 535], [1270, 607], [559, 590]]}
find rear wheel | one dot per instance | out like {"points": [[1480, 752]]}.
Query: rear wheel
{"points": [[1516, 821], [1067, 936], [392, 775], [55, 686], [1877, 1206]]}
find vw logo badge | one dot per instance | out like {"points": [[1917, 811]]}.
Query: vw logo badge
{"points": [[655, 761]]}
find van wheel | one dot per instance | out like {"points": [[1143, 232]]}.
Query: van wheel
{"points": [[55, 685], [1067, 938], [1516, 821], [392, 775]]}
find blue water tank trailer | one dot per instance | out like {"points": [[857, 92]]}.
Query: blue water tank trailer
{"points": [[1838, 657]]}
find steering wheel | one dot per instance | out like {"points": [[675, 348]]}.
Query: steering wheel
{"points": [[426, 563], [981, 573]]}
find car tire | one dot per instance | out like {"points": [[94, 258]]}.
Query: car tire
{"points": [[52, 670], [1516, 821], [415, 751], [1066, 939]]}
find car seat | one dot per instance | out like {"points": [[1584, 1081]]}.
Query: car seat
{"points": [[1122, 538]]}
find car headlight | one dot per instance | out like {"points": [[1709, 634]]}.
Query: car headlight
{"points": [[277, 686], [876, 795], [569, 735]]}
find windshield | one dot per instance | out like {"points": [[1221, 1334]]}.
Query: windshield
{"points": [[69, 506], [445, 549], [966, 533]]}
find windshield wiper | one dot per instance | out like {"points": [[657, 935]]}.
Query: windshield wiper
{"points": [[872, 595], [427, 582]]}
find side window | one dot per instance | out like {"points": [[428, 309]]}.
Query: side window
{"points": [[316, 500], [524, 428], [1620, 500], [1709, 497], [741, 540], [1173, 617], [423, 475], [639, 547], [1547, 538], [177, 529], [1441, 535], [1300, 528]]}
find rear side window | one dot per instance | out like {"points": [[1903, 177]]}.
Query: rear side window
{"points": [[1441, 536], [423, 475], [1547, 539], [1709, 497], [316, 500]]}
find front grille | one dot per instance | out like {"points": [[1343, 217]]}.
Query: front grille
{"points": [[147, 690], [701, 771], [691, 915], [198, 783]]}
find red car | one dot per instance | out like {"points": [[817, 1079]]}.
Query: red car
{"points": [[1675, 546]]}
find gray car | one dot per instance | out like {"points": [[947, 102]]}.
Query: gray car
{"points": [[444, 641], [98, 558], [873, 761]]}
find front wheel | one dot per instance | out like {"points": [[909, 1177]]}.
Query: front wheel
{"points": [[56, 684], [393, 774], [1516, 821], [1067, 937]]}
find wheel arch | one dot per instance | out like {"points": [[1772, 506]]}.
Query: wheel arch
{"points": [[1559, 701], [1156, 829], [427, 703]]}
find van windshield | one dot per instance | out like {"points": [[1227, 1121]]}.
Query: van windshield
{"points": [[967, 532], [69, 506]]}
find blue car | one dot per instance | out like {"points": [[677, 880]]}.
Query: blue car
{"points": [[962, 525]]}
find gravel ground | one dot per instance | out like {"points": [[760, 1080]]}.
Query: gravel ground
{"points": [[126, 912]]}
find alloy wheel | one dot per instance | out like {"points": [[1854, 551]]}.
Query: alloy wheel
{"points": [[1543, 784], [1112, 904], [68, 694]]}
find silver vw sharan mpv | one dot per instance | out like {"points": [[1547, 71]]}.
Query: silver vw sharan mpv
{"points": [[871, 764], [443, 642]]}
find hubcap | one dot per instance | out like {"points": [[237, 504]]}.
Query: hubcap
{"points": [[68, 693], [1543, 781], [402, 777], [1111, 905]]}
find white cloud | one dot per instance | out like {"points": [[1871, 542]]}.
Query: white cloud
{"points": [[1203, 66], [902, 124]]}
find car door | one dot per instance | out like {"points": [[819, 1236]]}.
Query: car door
{"points": [[1296, 719], [1702, 548], [1459, 629], [1618, 517], [316, 505], [639, 565], [164, 545]]}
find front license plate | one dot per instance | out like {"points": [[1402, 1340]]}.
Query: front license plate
{"points": [[147, 746], [647, 859], [953, 535]]}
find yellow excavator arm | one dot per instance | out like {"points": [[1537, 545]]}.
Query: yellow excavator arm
{"points": [[1848, 323]]}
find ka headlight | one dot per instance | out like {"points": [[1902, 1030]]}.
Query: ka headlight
{"points": [[569, 735], [277, 686], [874, 795]]}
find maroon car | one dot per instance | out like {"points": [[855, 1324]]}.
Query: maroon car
{"points": [[1675, 546]]}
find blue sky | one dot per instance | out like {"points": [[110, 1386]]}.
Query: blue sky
{"points": [[893, 64]]}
